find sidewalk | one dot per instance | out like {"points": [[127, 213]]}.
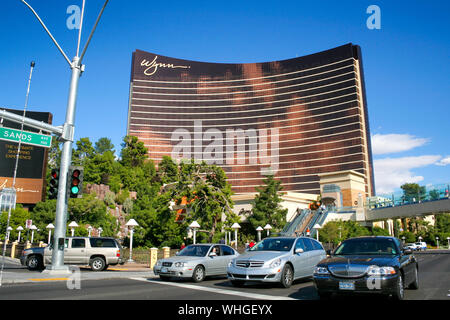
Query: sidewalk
{"points": [[14, 272]]}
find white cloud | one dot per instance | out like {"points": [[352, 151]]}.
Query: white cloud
{"points": [[444, 162], [392, 143], [391, 173]]}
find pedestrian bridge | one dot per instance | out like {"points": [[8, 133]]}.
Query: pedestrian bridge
{"points": [[425, 208]]}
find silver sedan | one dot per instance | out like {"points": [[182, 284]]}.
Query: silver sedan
{"points": [[280, 259], [196, 261]]}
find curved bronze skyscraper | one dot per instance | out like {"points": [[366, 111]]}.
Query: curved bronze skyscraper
{"points": [[294, 118]]}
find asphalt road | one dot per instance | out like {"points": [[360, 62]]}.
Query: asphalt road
{"points": [[434, 277]]}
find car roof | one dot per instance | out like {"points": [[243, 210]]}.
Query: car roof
{"points": [[372, 237], [208, 244]]}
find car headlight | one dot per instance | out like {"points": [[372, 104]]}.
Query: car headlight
{"points": [[380, 271], [275, 263], [179, 264], [321, 271]]}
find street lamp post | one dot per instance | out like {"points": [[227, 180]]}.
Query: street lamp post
{"points": [[20, 229], [235, 227], [259, 229], [268, 227], [317, 227], [194, 226], [437, 240], [72, 226], [8, 232], [32, 228], [50, 227], [89, 230], [100, 230], [448, 241], [131, 224]]}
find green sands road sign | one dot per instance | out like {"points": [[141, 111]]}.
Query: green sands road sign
{"points": [[36, 139]]}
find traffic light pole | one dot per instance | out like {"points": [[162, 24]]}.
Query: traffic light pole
{"points": [[67, 136], [66, 159]]}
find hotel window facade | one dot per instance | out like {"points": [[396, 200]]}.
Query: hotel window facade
{"points": [[294, 118]]}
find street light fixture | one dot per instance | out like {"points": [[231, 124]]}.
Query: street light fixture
{"points": [[32, 228], [317, 227], [437, 240], [20, 229], [50, 227], [131, 224], [235, 227], [259, 229], [100, 230], [72, 226], [268, 227], [89, 230], [8, 232], [194, 226]]}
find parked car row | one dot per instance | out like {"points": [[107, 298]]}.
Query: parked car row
{"points": [[358, 265], [417, 246]]}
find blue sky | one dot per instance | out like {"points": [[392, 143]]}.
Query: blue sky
{"points": [[406, 63]]}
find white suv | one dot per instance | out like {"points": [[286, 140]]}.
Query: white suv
{"points": [[97, 252]]}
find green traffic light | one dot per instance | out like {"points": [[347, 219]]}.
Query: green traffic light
{"points": [[74, 190]]}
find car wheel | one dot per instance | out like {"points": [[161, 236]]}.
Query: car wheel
{"points": [[237, 283], [399, 292], [199, 274], [287, 276], [34, 263], [415, 284], [98, 264]]}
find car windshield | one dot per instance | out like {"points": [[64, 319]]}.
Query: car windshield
{"points": [[367, 247], [274, 244], [194, 251]]}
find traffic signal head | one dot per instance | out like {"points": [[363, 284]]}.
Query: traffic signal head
{"points": [[53, 185], [75, 179]]}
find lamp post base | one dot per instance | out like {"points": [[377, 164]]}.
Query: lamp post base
{"points": [[57, 270]]}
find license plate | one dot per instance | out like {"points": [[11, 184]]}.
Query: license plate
{"points": [[164, 270], [346, 285]]}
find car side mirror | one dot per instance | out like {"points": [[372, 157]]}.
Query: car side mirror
{"points": [[299, 250]]}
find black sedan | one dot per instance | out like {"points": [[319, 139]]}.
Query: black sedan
{"points": [[367, 265]]}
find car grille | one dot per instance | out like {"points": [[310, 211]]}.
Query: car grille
{"points": [[167, 264], [348, 271], [249, 264]]}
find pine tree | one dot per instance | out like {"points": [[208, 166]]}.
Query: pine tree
{"points": [[266, 206]]}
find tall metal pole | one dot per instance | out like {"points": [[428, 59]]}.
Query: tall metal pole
{"points": [[67, 136], [66, 159], [15, 166]]}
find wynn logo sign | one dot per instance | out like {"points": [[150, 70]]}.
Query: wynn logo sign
{"points": [[152, 66]]}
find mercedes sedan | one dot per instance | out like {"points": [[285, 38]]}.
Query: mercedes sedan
{"points": [[279, 260], [196, 261], [367, 265]]}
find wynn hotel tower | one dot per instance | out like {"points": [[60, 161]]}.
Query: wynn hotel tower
{"points": [[296, 119]]}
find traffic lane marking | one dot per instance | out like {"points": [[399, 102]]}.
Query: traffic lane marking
{"points": [[215, 290], [49, 279]]}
